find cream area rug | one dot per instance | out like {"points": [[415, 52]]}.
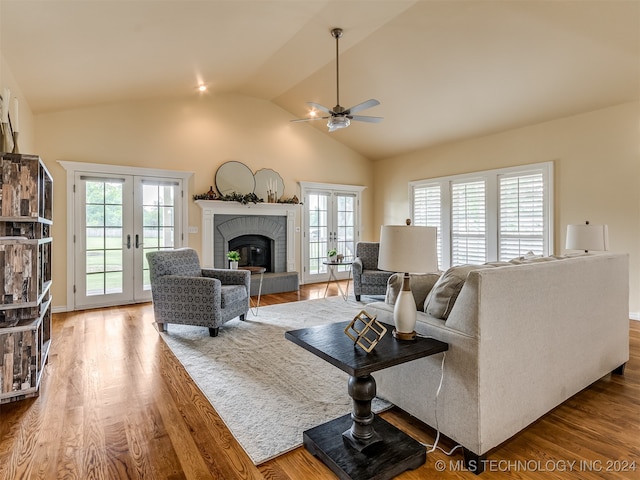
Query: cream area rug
{"points": [[267, 389]]}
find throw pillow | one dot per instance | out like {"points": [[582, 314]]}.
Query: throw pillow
{"points": [[421, 285], [444, 293]]}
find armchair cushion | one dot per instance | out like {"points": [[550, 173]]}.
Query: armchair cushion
{"points": [[183, 262], [368, 253], [376, 277], [230, 294]]}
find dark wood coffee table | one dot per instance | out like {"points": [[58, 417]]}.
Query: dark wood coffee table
{"points": [[362, 445]]}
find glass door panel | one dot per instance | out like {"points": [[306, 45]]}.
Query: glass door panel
{"points": [[103, 275], [344, 237], [158, 221], [318, 233]]}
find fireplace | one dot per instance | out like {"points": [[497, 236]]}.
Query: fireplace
{"points": [[262, 238], [255, 251], [271, 226]]}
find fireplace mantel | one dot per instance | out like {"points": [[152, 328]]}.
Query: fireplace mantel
{"points": [[210, 208]]}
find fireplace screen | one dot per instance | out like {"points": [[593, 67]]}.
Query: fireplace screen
{"points": [[255, 251]]}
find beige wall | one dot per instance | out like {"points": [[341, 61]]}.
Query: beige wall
{"points": [[196, 135], [596, 167], [26, 137]]}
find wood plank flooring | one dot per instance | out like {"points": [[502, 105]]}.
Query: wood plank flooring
{"points": [[116, 404]]}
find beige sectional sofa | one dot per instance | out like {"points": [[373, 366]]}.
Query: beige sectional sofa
{"points": [[522, 337]]}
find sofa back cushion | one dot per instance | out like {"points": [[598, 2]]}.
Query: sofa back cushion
{"points": [[421, 285], [444, 293]]}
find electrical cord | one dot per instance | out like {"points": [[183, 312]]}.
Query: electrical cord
{"points": [[435, 446]]}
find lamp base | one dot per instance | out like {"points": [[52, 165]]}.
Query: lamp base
{"points": [[404, 336], [404, 313]]}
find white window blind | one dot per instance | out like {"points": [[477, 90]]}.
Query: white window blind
{"points": [[521, 221], [468, 223], [427, 210], [490, 215]]}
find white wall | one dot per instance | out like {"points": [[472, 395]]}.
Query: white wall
{"points": [[195, 134], [596, 159]]}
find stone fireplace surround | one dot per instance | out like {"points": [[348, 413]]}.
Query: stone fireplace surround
{"points": [[227, 228], [222, 221]]}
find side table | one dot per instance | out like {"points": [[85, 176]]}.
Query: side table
{"points": [[254, 270], [361, 445], [333, 278]]}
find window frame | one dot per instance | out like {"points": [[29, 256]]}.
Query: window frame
{"points": [[492, 206]]}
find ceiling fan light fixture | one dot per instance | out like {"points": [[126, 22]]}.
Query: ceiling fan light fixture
{"points": [[336, 123]]}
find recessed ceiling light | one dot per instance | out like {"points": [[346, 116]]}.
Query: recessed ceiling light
{"points": [[202, 88]]}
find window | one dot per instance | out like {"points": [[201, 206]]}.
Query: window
{"points": [[468, 222], [522, 219], [427, 211], [487, 216]]}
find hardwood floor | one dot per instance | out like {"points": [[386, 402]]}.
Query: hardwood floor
{"points": [[116, 404]]}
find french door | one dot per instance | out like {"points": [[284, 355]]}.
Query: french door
{"points": [[331, 222], [118, 219]]}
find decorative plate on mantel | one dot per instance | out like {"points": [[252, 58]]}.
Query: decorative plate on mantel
{"points": [[267, 179]]}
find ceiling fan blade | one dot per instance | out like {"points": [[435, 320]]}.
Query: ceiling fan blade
{"points": [[322, 108], [308, 119], [364, 118], [372, 102]]}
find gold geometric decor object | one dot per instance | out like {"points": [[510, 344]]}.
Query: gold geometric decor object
{"points": [[368, 331]]}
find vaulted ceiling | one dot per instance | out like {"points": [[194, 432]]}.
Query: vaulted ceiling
{"points": [[442, 70]]}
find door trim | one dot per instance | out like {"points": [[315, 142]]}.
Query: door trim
{"points": [[72, 168]]}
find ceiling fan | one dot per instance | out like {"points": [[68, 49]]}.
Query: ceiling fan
{"points": [[340, 117]]}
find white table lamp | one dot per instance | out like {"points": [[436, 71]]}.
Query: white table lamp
{"points": [[587, 237], [407, 249]]}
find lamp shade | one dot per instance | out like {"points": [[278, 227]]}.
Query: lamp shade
{"points": [[409, 249], [587, 237]]}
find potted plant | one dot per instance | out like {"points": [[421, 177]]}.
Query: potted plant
{"points": [[234, 258], [332, 254]]}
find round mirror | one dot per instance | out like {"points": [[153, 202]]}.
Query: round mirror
{"points": [[234, 177], [267, 181]]}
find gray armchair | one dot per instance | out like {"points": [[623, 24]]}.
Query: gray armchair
{"points": [[367, 278], [184, 293]]}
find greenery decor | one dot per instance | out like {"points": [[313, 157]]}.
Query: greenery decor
{"points": [[233, 255], [238, 197], [231, 197], [332, 253]]}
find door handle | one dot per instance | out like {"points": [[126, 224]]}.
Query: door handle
{"points": [[128, 241], [138, 244]]}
